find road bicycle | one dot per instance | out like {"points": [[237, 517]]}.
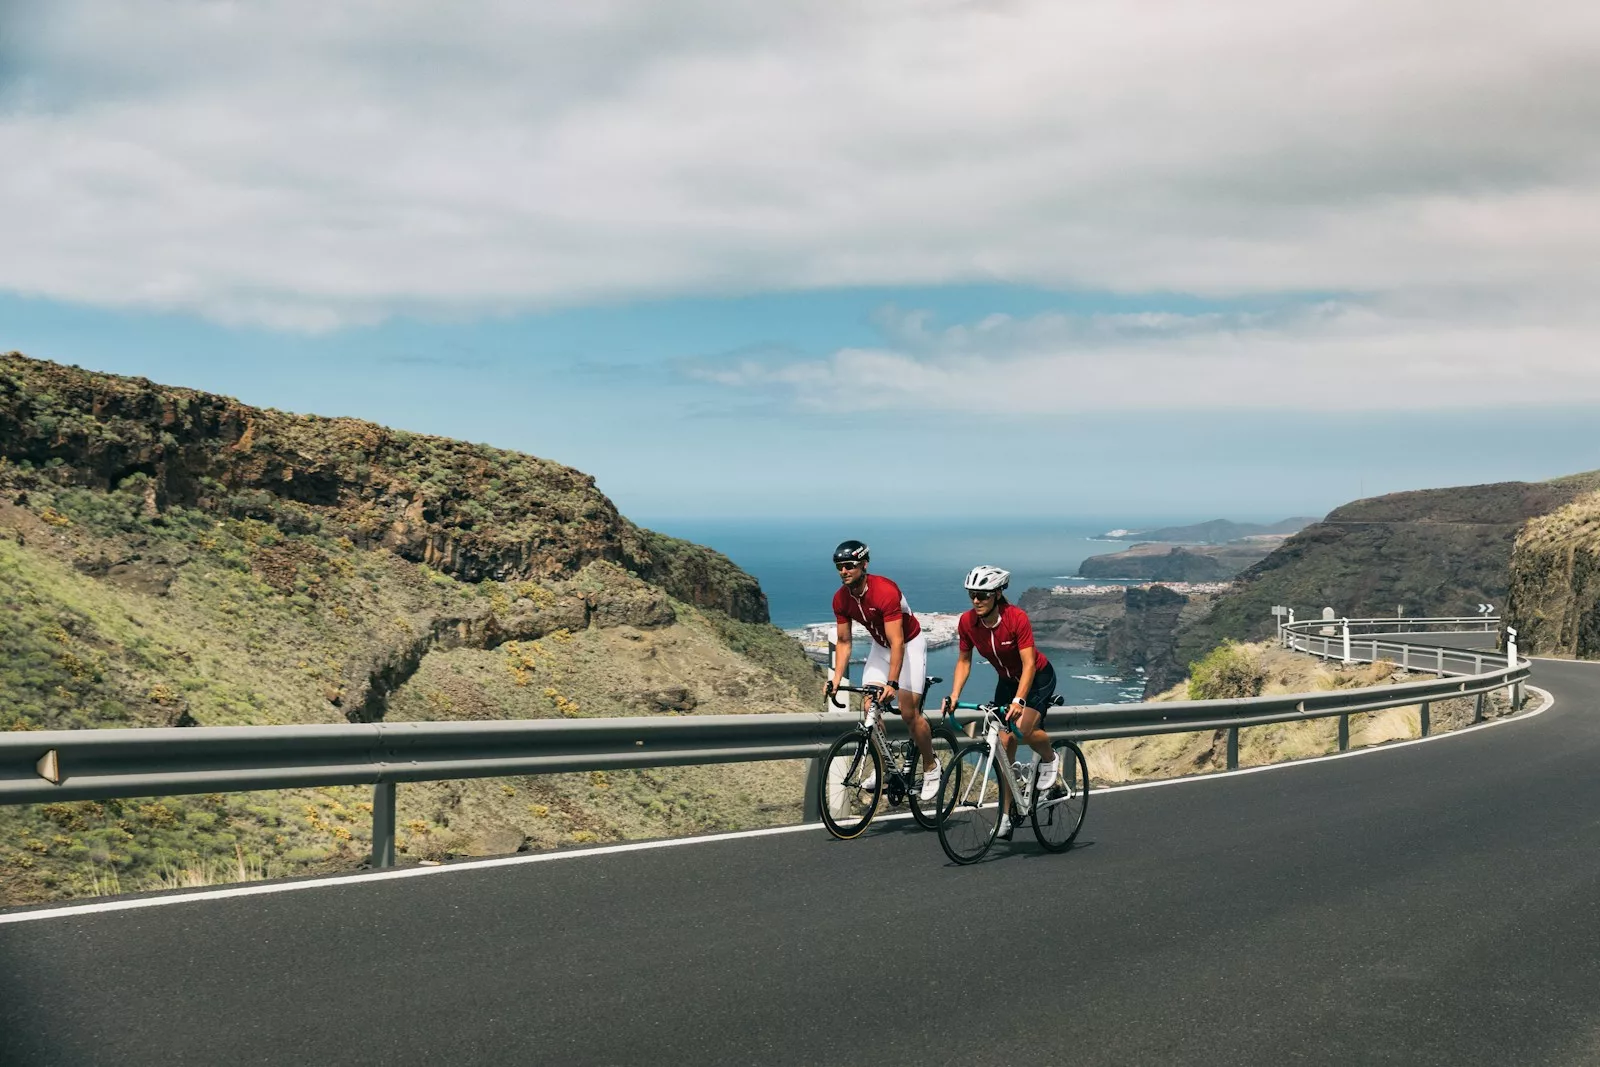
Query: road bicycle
{"points": [[970, 794], [865, 757]]}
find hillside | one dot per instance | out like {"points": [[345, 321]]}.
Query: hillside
{"points": [[1430, 552], [169, 557]]}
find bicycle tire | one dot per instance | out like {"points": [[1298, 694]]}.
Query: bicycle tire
{"points": [[970, 798], [1058, 817], [846, 808], [944, 753]]}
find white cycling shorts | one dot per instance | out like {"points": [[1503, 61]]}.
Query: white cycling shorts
{"points": [[913, 665]]}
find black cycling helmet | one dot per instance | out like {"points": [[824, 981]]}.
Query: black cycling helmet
{"points": [[851, 552]]}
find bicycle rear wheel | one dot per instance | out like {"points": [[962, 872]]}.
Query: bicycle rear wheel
{"points": [[944, 753], [847, 808], [1058, 815], [970, 798]]}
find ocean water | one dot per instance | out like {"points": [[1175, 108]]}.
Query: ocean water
{"points": [[793, 562]]}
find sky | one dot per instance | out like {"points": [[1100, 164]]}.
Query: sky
{"points": [[924, 259]]}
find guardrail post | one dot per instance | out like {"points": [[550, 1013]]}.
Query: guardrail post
{"points": [[1347, 658], [1423, 717], [383, 824], [1405, 657], [1440, 651], [1477, 708], [1477, 664], [1374, 650], [1233, 748], [811, 807], [1344, 733]]}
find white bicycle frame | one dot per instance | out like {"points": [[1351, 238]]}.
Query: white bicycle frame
{"points": [[1022, 795]]}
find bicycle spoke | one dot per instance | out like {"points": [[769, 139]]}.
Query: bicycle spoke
{"points": [[969, 827], [1058, 816], [847, 808]]}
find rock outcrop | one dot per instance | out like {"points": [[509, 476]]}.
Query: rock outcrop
{"points": [[469, 511], [1554, 599]]}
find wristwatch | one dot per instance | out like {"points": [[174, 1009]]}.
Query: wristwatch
{"points": [[892, 684]]}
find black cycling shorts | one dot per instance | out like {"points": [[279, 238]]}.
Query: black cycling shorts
{"points": [[1040, 693]]}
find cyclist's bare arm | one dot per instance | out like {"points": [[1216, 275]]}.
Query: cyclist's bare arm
{"points": [[841, 653], [963, 669], [895, 631]]}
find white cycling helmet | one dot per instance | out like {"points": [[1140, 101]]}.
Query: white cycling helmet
{"points": [[986, 579]]}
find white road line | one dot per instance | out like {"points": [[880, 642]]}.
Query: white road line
{"points": [[368, 877]]}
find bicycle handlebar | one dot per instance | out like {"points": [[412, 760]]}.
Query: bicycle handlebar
{"points": [[996, 709], [875, 691], [988, 709]]}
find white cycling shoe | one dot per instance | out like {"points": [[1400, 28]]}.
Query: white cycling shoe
{"points": [[930, 785], [869, 784], [1004, 833], [1048, 773]]}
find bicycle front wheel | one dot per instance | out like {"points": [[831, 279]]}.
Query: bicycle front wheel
{"points": [[847, 807], [1058, 815], [944, 753], [969, 796]]}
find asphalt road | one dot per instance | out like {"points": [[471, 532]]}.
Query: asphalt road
{"points": [[1435, 903]]}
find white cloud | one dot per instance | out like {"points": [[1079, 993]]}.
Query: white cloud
{"points": [[305, 165], [1327, 356]]}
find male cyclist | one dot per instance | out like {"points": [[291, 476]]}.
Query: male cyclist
{"points": [[1001, 631], [898, 661]]}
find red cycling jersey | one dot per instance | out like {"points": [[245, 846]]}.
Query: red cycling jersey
{"points": [[1002, 644], [880, 602]]}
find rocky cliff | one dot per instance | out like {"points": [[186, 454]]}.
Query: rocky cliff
{"points": [[1070, 620], [469, 511], [1144, 638], [1554, 598]]}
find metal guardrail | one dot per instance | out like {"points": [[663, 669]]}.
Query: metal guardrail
{"points": [[59, 765]]}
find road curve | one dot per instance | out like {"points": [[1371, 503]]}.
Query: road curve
{"points": [[1425, 904]]}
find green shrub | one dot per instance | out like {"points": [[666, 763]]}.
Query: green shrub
{"points": [[1230, 671]]}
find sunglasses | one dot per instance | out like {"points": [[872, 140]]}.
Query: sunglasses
{"points": [[848, 566], [976, 595]]}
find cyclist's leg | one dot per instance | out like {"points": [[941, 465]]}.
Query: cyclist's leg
{"points": [[1004, 690], [876, 669], [1040, 694], [913, 681]]}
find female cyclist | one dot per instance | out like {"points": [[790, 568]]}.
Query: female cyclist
{"points": [[1001, 631]]}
